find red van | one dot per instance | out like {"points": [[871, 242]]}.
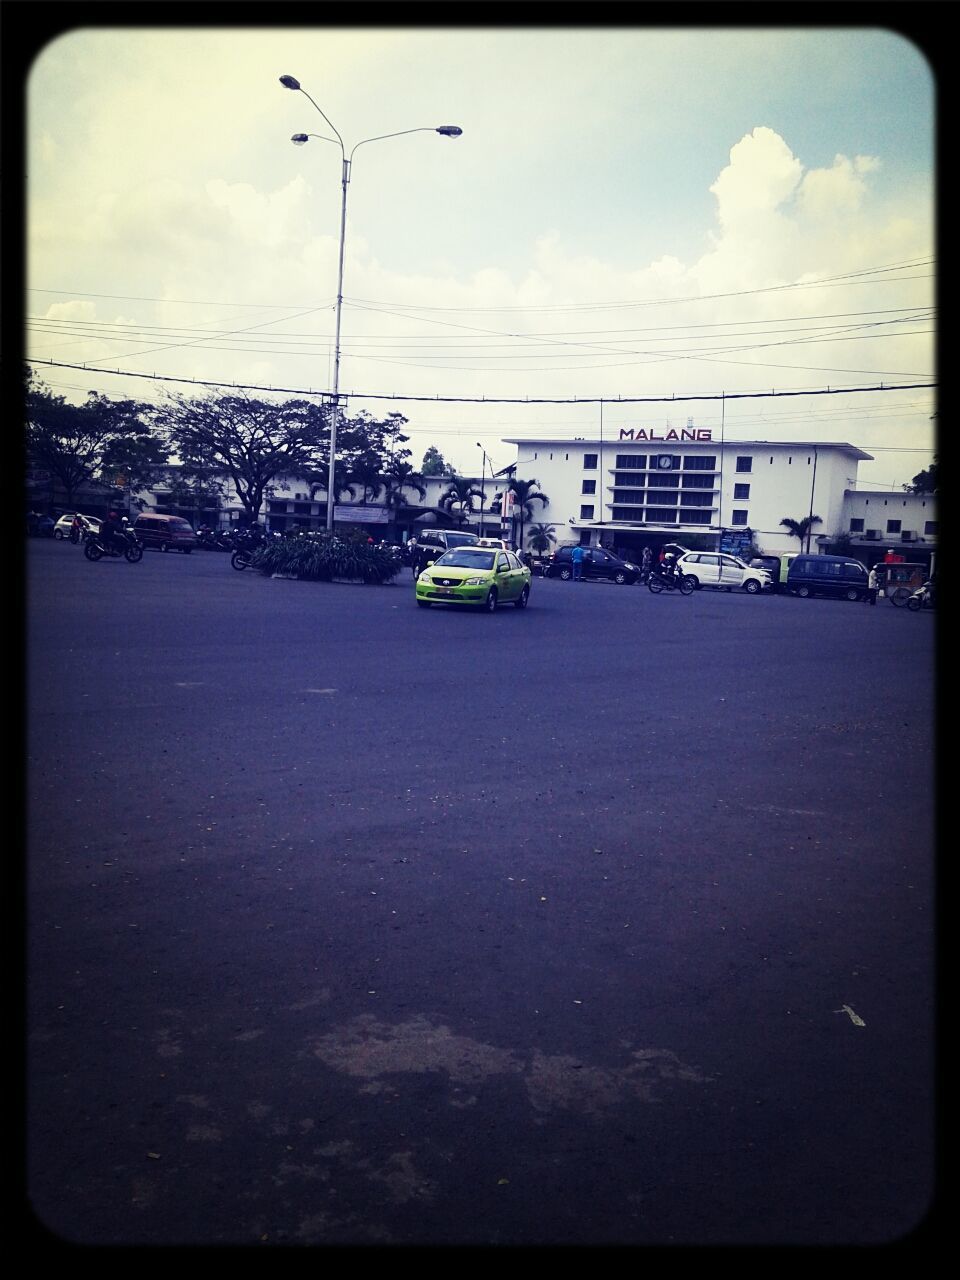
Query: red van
{"points": [[165, 533]]}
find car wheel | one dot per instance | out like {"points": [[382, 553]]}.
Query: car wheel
{"points": [[565, 575], [620, 578], [692, 577], [521, 603], [751, 586], [490, 604], [58, 536], [803, 592], [423, 604], [852, 594], [164, 547], [187, 550]]}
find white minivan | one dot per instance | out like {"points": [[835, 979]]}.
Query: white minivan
{"points": [[715, 569]]}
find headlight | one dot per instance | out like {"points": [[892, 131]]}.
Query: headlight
{"points": [[424, 577], [473, 582], [629, 565]]}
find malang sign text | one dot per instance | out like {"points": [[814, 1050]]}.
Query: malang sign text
{"points": [[685, 433]]}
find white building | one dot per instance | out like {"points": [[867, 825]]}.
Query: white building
{"points": [[646, 488]]}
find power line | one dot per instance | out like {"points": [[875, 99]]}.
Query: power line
{"points": [[608, 400]]}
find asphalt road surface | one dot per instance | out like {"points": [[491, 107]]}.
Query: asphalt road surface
{"points": [[610, 922]]}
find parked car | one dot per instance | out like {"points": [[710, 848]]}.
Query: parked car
{"points": [[165, 533], [716, 569], [827, 576], [597, 563], [482, 576], [63, 526], [430, 544], [777, 567]]}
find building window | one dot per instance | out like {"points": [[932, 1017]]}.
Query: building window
{"points": [[930, 527], [632, 461], [589, 462], [589, 486], [741, 492], [628, 513], [893, 526], [669, 481], [739, 517], [586, 512], [625, 495], [694, 517], [697, 463], [698, 482], [661, 515], [856, 525], [695, 499], [744, 464]]}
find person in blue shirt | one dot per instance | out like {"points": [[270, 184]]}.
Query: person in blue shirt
{"points": [[576, 559]]}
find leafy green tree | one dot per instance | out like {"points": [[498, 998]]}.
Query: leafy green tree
{"points": [[926, 481], [433, 463], [527, 493], [252, 441], [541, 537], [801, 528], [100, 439], [458, 499]]}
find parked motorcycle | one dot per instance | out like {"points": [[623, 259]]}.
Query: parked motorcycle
{"points": [[669, 579], [924, 597], [94, 547]]}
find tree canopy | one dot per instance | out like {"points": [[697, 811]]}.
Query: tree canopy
{"points": [[925, 481], [434, 463], [255, 442], [100, 439]]}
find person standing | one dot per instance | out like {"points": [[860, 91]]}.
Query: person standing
{"points": [[873, 584], [645, 562], [576, 559]]}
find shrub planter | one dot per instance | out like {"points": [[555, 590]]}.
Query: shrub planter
{"points": [[325, 559]]}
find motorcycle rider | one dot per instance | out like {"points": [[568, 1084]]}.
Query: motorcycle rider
{"points": [[111, 533]]}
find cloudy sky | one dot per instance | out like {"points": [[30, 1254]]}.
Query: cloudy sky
{"points": [[671, 214]]}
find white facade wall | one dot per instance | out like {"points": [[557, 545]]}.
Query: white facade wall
{"points": [[892, 519]]}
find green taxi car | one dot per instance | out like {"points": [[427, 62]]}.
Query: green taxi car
{"points": [[481, 576]]}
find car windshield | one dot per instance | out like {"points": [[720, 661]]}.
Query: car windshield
{"points": [[467, 558]]}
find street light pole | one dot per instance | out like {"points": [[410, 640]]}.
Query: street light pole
{"points": [[483, 477], [446, 131]]}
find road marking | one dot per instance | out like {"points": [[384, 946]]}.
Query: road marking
{"points": [[319, 691], [854, 1017]]}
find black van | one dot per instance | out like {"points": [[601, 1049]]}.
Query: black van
{"points": [[827, 576]]}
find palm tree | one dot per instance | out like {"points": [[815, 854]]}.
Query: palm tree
{"points": [[366, 474], [526, 497], [801, 528], [402, 475], [541, 537], [460, 495]]}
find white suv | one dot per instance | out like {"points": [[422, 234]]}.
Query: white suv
{"points": [[714, 569]]}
